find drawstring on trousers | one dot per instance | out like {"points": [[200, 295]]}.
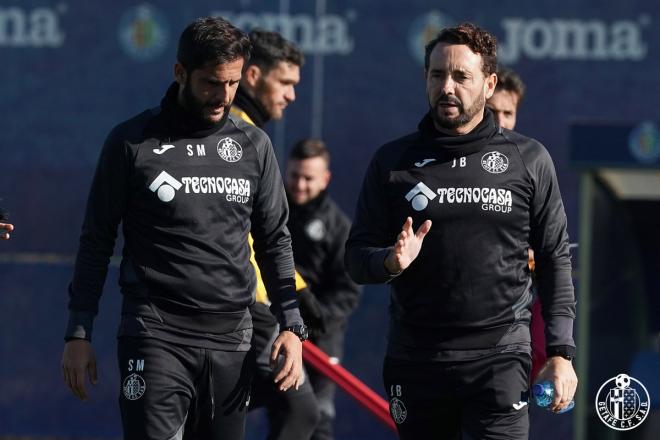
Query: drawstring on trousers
{"points": [[210, 370]]}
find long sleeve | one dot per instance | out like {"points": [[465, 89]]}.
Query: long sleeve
{"points": [[549, 239], [369, 240], [272, 241], [341, 292], [105, 206]]}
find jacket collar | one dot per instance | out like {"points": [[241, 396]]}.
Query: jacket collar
{"points": [[459, 144], [176, 122], [253, 108]]}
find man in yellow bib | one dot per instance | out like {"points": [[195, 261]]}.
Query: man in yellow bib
{"points": [[267, 87]]}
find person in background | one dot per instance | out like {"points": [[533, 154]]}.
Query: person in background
{"points": [[506, 99], [319, 230], [265, 91], [504, 104]]}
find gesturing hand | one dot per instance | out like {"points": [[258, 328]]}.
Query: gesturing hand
{"points": [[407, 246]]}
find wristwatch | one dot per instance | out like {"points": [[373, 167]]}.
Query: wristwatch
{"points": [[299, 330], [565, 352]]}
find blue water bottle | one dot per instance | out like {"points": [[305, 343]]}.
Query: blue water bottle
{"points": [[543, 394]]}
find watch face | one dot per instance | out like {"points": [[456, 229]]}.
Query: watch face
{"points": [[299, 330]]}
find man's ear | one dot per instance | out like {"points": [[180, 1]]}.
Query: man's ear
{"points": [[327, 178], [491, 82], [180, 74], [251, 75]]}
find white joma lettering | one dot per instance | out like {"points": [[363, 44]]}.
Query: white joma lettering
{"points": [[318, 34], [573, 39], [39, 27]]}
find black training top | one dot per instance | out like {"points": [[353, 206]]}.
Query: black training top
{"points": [[187, 196], [319, 230], [491, 194]]}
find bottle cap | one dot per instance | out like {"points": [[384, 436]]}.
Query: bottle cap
{"points": [[538, 389]]}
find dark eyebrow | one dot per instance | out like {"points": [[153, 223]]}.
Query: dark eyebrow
{"points": [[213, 80]]}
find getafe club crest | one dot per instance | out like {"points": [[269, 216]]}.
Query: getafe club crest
{"points": [[315, 230], [622, 402], [644, 143], [134, 387], [230, 150], [495, 162], [143, 32], [398, 410]]}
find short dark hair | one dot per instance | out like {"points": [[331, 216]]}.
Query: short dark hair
{"points": [[211, 40], [477, 39], [510, 81], [270, 48], [310, 148]]}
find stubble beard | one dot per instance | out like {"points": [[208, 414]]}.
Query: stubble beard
{"points": [[196, 108], [464, 116]]}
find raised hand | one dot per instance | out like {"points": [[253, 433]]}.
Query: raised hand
{"points": [[407, 246]]}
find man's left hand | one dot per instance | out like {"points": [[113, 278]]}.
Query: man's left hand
{"points": [[290, 373], [561, 373], [5, 229]]}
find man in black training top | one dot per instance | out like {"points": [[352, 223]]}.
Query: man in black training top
{"points": [[458, 353], [188, 182], [266, 89], [319, 230]]}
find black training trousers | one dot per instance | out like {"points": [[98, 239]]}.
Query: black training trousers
{"points": [[171, 391], [484, 398]]}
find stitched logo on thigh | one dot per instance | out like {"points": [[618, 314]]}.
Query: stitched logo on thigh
{"points": [[134, 387], [398, 410]]}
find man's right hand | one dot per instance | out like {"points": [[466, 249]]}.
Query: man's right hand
{"points": [[407, 246], [78, 360]]}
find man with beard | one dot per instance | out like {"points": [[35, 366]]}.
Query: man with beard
{"points": [[269, 78], [458, 352], [266, 89], [319, 230], [188, 182], [506, 99]]}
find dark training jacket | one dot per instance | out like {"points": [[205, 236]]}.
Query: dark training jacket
{"points": [[187, 197], [319, 230], [491, 194]]}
